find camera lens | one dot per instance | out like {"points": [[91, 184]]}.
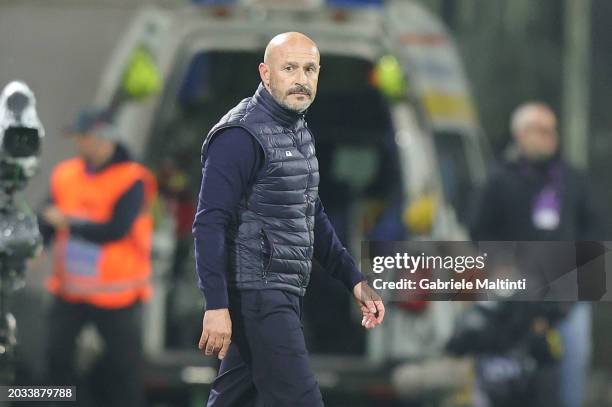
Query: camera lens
{"points": [[21, 142]]}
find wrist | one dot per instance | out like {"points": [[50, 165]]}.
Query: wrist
{"points": [[215, 304], [354, 279], [63, 226]]}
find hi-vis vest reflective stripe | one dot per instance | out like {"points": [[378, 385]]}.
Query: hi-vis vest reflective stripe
{"points": [[113, 274]]}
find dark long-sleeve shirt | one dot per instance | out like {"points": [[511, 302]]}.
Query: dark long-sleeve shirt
{"points": [[124, 214], [233, 162], [504, 209]]}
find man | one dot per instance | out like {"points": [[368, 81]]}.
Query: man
{"points": [[536, 195], [259, 224], [99, 215]]}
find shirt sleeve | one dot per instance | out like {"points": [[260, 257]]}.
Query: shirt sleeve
{"points": [[46, 230], [233, 159], [330, 253], [125, 212]]}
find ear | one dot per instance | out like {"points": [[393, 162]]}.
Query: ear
{"points": [[264, 74]]}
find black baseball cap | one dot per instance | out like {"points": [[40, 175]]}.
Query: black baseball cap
{"points": [[88, 119]]}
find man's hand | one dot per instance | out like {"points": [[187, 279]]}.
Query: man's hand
{"points": [[216, 332], [53, 216], [371, 305]]}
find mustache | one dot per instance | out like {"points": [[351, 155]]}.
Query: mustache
{"points": [[300, 89]]}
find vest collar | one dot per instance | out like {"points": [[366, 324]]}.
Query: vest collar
{"points": [[279, 113]]}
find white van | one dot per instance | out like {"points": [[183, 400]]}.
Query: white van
{"points": [[397, 137]]}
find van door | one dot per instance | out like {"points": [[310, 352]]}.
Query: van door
{"points": [[134, 74], [437, 80]]}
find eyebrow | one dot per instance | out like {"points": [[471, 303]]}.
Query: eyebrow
{"points": [[293, 63]]}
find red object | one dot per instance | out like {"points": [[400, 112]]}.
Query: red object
{"points": [[184, 212], [414, 301], [416, 306]]}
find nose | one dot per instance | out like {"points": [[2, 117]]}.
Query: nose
{"points": [[302, 79]]}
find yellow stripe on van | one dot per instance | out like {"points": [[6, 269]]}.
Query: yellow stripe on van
{"points": [[442, 106]]}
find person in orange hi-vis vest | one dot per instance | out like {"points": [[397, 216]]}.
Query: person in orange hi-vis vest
{"points": [[99, 216]]}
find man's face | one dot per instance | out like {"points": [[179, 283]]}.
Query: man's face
{"points": [[538, 138], [292, 74], [86, 146]]}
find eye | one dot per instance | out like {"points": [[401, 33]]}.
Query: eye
{"points": [[288, 68]]}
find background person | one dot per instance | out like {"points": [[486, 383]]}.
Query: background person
{"points": [[536, 195], [99, 216]]}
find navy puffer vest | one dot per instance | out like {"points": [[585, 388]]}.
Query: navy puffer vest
{"points": [[271, 237]]}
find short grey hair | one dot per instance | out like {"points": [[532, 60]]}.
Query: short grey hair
{"points": [[520, 115]]}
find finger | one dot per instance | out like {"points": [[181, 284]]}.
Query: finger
{"points": [[203, 340], [364, 310], [224, 347], [210, 345], [218, 343], [367, 321], [381, 311], [373, 321]]}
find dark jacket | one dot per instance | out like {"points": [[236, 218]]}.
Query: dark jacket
{"points": [[507, 211], [506, 207], [270, 241]]}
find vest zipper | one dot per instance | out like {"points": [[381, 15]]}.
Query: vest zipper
{"points": [[308, 202], [266, 267]]}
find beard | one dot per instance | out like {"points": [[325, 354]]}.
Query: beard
{"points": [[296, 107]]}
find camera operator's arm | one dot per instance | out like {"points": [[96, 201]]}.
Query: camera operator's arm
{"points": [[125, 212], [47, 230]]}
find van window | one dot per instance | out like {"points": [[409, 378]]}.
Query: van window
{"points": [[455, 171]]}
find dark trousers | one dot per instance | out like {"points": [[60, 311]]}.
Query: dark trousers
{"points": [[121, 366], [267, 361]]}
